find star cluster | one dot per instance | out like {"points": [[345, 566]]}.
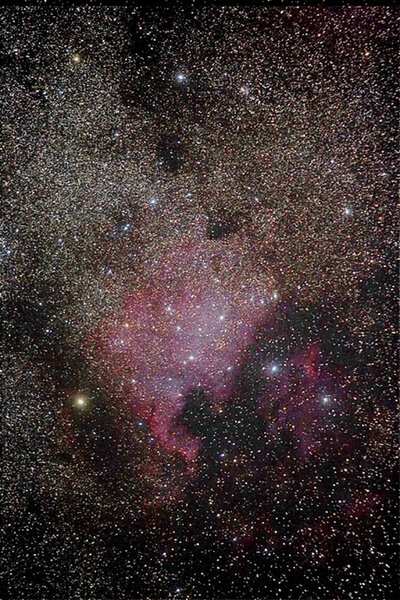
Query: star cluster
{"points": [[199, 294]]}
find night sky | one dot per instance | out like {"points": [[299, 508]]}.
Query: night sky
{"points": [[199, 302]]}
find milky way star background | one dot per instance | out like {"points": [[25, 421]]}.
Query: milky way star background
{"points": [[199, 299]]}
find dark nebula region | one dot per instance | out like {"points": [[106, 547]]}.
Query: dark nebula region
{"points": [[199, 302]]}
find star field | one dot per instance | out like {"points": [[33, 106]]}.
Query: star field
{"points": [[199, 302]]}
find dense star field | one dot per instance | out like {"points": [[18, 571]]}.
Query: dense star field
{"points": [[199, 292]]}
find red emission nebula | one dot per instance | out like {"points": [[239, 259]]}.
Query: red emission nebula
{"points": [[187, 327]]}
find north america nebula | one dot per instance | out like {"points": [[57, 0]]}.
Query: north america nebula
{"points": [[199, 302]]}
